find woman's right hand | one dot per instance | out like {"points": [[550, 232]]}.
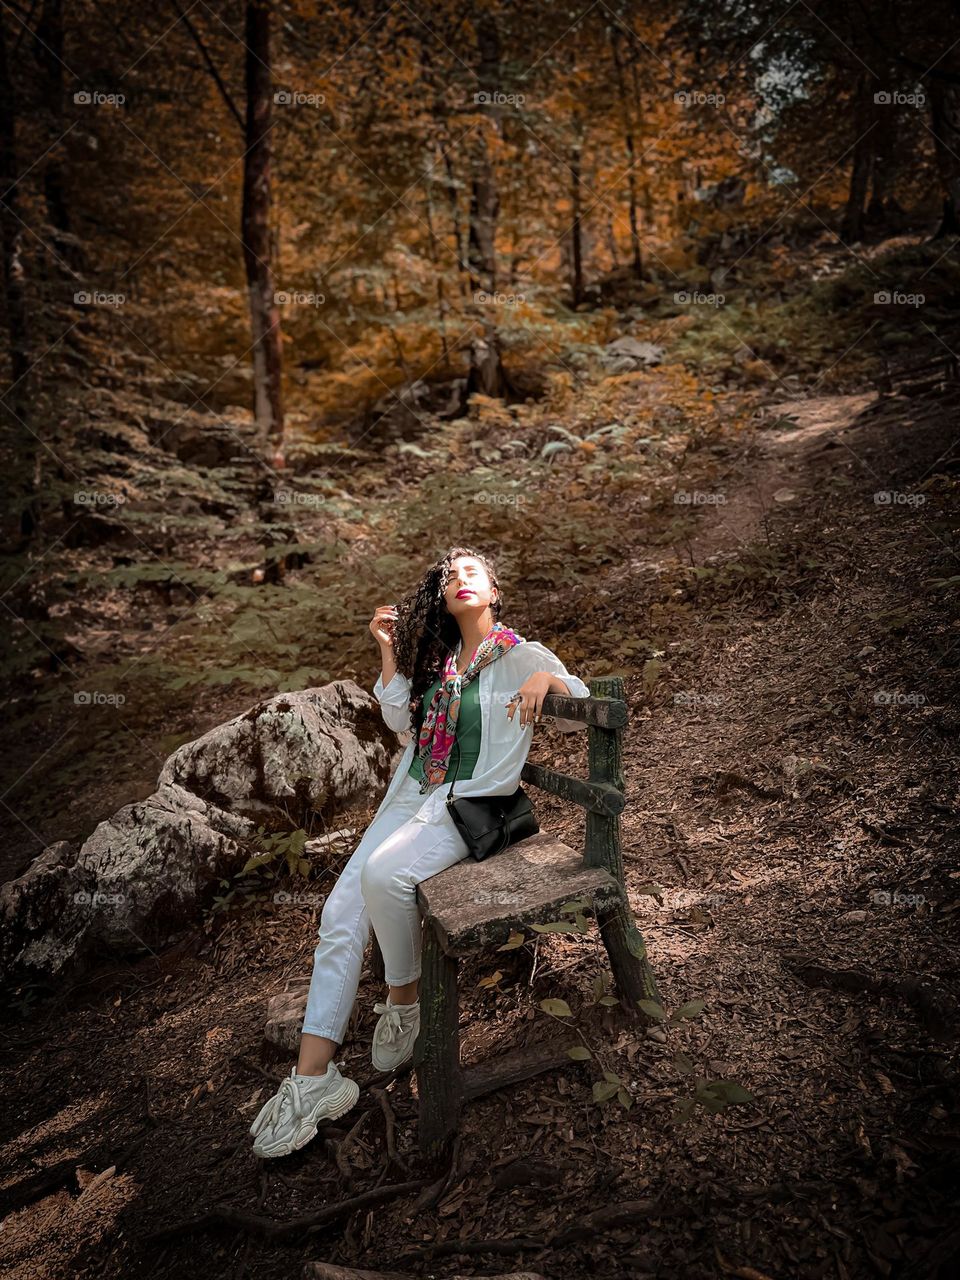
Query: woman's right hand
{"points": [[381, 625]]}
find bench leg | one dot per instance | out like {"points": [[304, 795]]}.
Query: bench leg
{"points": [[632, 974], [436, 1055]]}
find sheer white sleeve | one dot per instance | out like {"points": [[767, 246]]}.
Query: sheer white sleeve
{"points": [[394, 701], [537, 657]]}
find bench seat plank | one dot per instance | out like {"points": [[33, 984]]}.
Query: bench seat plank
{"points": [[474, 905]]}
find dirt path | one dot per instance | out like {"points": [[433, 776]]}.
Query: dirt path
{"points": [[796, 433], [785, 814], [790, 817]]}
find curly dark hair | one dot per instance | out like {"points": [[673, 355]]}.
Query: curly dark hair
{"points": [[425, 632]]}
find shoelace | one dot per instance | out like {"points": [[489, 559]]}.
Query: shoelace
{"points": [[390, 1030], [289, 1092]]}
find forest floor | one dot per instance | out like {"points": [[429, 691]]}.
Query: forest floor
{"points": [[789, 845]]}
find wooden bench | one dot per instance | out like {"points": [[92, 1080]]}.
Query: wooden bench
{"points": [[473, 906]]}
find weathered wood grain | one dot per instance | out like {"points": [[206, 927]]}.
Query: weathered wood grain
{"points": [[474, 905]]}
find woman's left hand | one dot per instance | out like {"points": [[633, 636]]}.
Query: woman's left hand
{"points": [[531, 695]]}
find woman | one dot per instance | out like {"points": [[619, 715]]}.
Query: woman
{"points": [[474, 692]]}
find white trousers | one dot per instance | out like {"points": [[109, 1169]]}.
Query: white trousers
{"points": [[378, 887]]}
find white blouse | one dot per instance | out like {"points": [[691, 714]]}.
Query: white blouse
{"points": [[504, 745]]}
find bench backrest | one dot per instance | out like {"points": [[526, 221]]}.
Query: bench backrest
{"points": [[602, 795]]}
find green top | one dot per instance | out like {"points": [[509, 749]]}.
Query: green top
{"points": [[462, 761]]}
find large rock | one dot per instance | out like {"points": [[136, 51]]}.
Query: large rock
{"points": [[195, 440], [403, 412], [285, 1014], [144, 875], [137, 880], [310, 751], [626, 354], [729, 193]]}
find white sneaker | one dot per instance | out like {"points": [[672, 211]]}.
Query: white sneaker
{"points": [[289, 1120], [395, 1034]]}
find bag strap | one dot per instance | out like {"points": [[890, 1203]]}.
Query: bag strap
{"points": [[506, 837], [450, 792]]}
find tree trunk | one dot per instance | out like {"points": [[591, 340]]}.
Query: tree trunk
{"points": [[885, 156], [13, 269], [648, 202], [631, 151], [486, 365], [255, 232], [612, 243], [442, 305], [49, 48], [16, 403], [453, 200], [851, 228], [945, 121], [440, 169], [576, 281], [882, 178]]}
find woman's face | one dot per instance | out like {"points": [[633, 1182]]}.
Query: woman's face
{"points": [[468, 588]]}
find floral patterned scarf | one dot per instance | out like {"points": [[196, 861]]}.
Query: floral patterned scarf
{"points": [[439, 728]]}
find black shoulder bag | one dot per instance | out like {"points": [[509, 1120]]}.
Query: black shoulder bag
{"points": [[489, 824]]}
